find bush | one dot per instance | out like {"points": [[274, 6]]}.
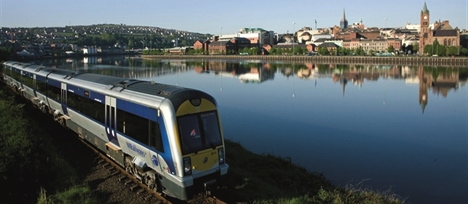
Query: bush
{"points": [[74, 195]]}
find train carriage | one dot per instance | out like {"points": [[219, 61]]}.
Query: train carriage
{"points": [[169, 137]]}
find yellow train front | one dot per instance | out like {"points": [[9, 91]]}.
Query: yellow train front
{"points": [[199, 141]]}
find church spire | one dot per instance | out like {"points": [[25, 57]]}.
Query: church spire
{"points": [[424, 10], [344, 14], [344, 22]]}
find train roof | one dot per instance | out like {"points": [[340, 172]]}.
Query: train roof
{"points": [[140, 86], [174, 93]]}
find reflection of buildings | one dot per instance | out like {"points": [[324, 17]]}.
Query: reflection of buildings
{"points": [[355, 75], [245, 71], [441, 80], [257, 74], [308, 73]]}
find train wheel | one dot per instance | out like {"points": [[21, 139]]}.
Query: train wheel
{"points": [[152, 184], [62, 122], [129, 165], [43, 108]]}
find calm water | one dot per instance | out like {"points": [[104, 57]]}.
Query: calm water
{"points": [[396, 128]]}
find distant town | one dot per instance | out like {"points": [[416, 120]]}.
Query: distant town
{"points": [[429, 38]]}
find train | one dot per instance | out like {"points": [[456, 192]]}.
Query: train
{"points": [[169, 137]]}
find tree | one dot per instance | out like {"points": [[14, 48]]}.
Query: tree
{"points": [[416, 47], [452, 50], [464, 51], [342, 51], [360, 51], [390, 48], [323, 51], [6, 52], [131, 44]]}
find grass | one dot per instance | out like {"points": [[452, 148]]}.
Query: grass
{"points": [[74, 195], [254, 178]]}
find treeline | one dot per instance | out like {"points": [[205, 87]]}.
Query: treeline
{"points": [[6, 53]]}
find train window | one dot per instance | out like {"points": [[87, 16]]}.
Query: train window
{"points": [[199, 131], [41, 86], [139, 128], [16, 74], [155, 138], [54, 92], [121, 118], [74, 101], [27, 79], [112, 122], [87, 106], [211, 128], [189, 130]]}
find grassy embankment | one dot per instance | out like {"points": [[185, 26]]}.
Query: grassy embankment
{"points": [[271, 179]]}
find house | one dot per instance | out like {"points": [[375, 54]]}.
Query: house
{"points": [[201, 45], [220, 47], [178, 50], [231, 46], [329, 45], [394, 42]]}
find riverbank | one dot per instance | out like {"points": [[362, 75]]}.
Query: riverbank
{"points": [[394, 60]]}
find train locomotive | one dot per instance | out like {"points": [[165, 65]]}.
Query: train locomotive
{"points": [[169, 137]]}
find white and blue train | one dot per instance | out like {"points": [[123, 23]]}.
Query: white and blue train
{"points": [[167, 136]]}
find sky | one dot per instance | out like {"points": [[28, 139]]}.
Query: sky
{"points": [[228, 16]]}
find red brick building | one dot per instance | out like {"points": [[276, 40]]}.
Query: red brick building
{"points": [[228, 46], [442, 32]]}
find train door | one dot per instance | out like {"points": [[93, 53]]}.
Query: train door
{"points": [[34, 86], [63, 98], [111, 119]]}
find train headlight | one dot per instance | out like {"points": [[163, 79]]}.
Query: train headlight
{"points": [[195, 102], [221, 155], [187, 166]]}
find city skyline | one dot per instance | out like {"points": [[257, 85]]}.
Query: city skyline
{"points": [[227, 17]]}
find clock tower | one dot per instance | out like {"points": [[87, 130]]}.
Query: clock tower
{"points": [[425, 34]]}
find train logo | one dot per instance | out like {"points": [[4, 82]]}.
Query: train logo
{"points": [[154, 159]]}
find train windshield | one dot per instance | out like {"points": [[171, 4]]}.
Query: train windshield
{"points": [[199, 132]]}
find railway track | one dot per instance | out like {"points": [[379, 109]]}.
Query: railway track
{"points": [[132, 183]]}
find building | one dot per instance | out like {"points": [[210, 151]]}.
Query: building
{"points": [[379, 45], [220, 47], [442, 32], [201, 45], [257, 36], [232, 46], [344, 22], [394, 42]]}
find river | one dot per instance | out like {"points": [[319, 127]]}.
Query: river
{"points": [[392, 128]]}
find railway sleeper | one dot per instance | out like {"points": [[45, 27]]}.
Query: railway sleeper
{"points": [[100, 160], [147, 197], [128, 182], [113, 172], [134, 187], [122, 178], [141, 190], [105, 165]]}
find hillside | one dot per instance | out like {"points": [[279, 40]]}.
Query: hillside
{"points": [[101, 34]]}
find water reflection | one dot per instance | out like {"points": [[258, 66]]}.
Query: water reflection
{"points": [[439, 80]]}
